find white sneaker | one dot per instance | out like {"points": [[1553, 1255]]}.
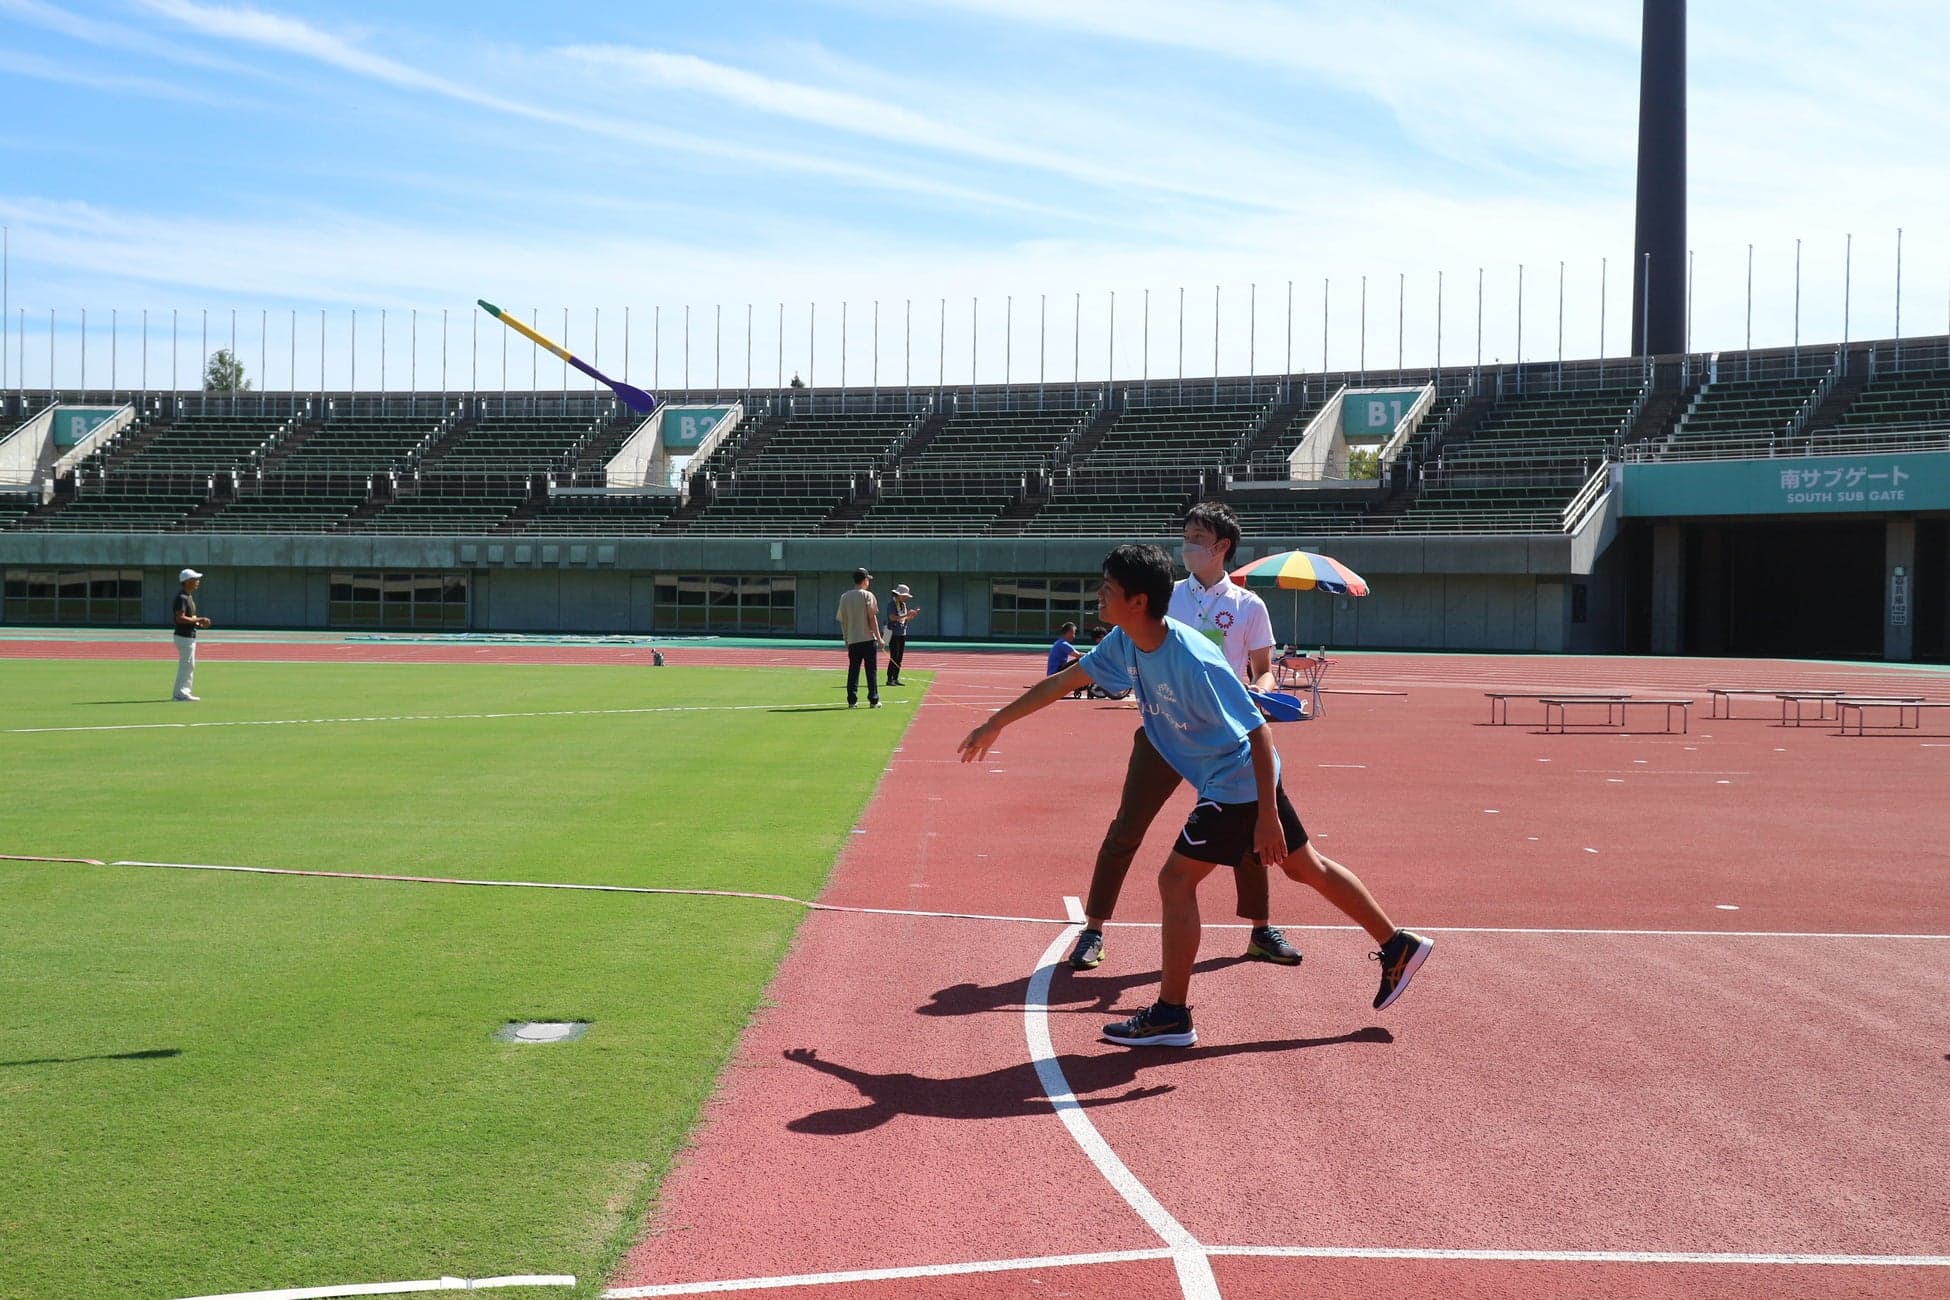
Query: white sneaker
{"points": [[187, 699]]}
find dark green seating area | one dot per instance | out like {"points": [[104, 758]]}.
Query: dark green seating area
{"points": [[285, 512], [356, 444], [188, 444], [1893, 402], [1116, 504], [831, 443], [774, 504], [1260, 517], [1742, 408], [976, 465], [523, 443], [1158, 434], [116, 509], [434, 507], [618, 514]]}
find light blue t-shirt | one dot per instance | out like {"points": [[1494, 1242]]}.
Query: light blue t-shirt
{"points": [[1196, 710]]}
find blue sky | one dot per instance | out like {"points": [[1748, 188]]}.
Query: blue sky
{"points": [[1022, 159]]}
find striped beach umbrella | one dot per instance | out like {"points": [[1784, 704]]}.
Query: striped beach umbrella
{"points": [[1301, 571]]}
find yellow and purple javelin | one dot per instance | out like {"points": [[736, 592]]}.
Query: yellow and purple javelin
{"points": [[634, 398]]}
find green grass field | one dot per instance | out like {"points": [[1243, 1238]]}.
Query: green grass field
{"points": [[215, 1082]]}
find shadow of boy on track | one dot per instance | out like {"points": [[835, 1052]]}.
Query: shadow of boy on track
{"points": [[1016, 1090]]}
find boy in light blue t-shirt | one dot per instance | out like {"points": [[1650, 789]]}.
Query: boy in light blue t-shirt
{"points": [[1201, 720]]}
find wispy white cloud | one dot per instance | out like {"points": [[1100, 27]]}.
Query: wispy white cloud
{"points": [[296, 37], [113, 83]]}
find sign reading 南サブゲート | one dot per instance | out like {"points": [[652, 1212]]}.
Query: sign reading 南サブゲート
{"points": [[684, 428], [1896, 484], [1374, 413]]}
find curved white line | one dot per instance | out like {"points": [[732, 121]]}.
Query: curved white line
{"points": [[1194, 1270]]}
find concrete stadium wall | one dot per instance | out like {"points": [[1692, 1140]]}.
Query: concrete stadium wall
{"points": [[1463, 593]]}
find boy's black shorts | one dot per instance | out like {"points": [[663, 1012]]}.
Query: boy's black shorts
{"points": [[1222, 833]]}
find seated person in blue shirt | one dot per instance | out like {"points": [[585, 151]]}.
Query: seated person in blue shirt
{"points": [[1197, 713], [1063, 651]]}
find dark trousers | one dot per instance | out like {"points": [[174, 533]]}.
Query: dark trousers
{"points": [[1148, 783], [896, 651], [862, 654]]}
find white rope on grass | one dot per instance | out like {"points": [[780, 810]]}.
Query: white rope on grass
{"points": [[399, 1288]]}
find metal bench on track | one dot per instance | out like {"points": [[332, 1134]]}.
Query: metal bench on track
{"points": [[1562, 705], [1504, 697], [1722, 696], [1909, 711]]}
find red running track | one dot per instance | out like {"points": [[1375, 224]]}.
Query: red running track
{"points": [[1631, 1095]]}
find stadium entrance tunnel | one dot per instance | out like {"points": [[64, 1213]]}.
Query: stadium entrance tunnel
{"points": [[1775, 589]]}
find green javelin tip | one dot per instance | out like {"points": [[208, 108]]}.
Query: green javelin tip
{"points": [[489, 307]]}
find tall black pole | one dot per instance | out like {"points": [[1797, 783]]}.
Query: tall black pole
{"points": [[1659, 307]]}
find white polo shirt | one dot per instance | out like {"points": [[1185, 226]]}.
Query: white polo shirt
{"points": [[1228, 614]]}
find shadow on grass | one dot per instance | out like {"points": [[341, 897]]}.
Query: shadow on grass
{"points": [[151, 1054], [1016, 1090], [1068, 990]]}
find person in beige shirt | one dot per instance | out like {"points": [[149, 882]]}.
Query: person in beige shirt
{"points": [[859, 620]]}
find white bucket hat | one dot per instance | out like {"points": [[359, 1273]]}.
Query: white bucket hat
{"points": [[902, 590]]}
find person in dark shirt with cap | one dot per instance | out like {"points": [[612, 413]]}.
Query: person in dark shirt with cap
{"points": [[187, 621]]}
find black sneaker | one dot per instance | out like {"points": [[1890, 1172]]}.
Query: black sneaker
{"points": [[1400, 958], [1089, 950], [1158, 1025], [1269, 944]]}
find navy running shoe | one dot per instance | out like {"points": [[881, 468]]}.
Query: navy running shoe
{"points": [[1400, 958], [1089, 950], [1269, 944], [1158, 1025]]}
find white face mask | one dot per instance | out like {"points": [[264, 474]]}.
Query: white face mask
{"points": [[1193, 556]]}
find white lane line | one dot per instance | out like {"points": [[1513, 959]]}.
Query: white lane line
{"points": [[1583, 1256], [881, 1274], [1073, 908], [399, 1288], [442, 717], [1569, 931], [1194, 1270], [1277, 1252]]}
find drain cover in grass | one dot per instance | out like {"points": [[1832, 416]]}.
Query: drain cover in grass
{"points": [[542, 1031]]}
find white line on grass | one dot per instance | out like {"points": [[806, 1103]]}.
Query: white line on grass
{"points": [[943, 916], [1194, 1270], [399, 1288], [439, 717]]}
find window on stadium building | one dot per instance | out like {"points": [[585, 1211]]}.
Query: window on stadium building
{"points": [[73, 596], [719, 603], [1033, 608], [424, 601]]}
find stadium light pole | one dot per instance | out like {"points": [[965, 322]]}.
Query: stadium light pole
{"points": [[1560, 320], [382, 351], [1181, 342], [626, 343], [1252, 340], [1848, 268], [1438, 322], [748, 342], [843, 305], [1042, 346], [1899, 287], [876, 354], [1076, 347], [1110, 351], [1326, 288], [84, 349], [1362, 353], [145, 354], [1479, 318], [941, 350], [812, 344], [1659, 234], [974, 343], [1215, 345], [6, 297], [687, 349], [1401, 312], [717, 348], [1520, 318], [1008, 339], [907, 349], [1689, 301], [203, 398], [294, 362], [1603, 268], [1286, 375]]}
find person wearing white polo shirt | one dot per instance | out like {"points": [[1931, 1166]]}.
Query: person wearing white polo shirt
{"points": [[187, 621], [1236, 620]]}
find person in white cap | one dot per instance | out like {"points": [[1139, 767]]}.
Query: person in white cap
{"points": [[897, 620], [187, 622]]}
